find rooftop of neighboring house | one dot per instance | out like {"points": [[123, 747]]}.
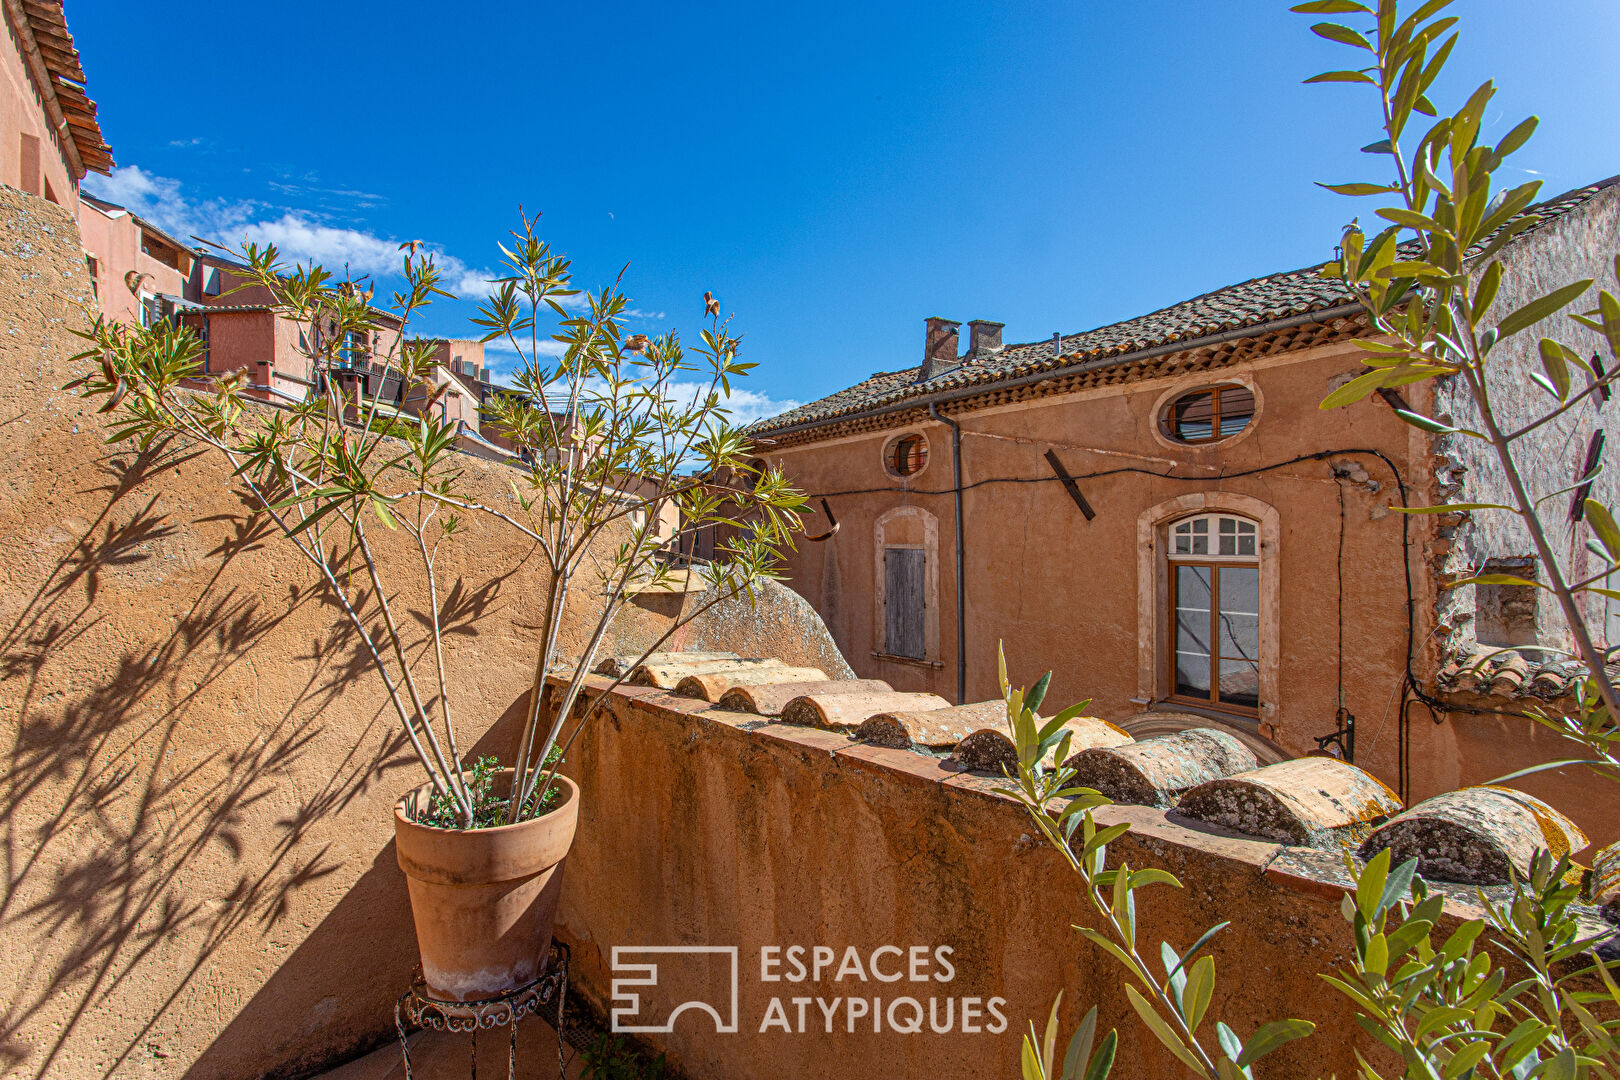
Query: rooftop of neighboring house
{"points": [[1248, 307], [54, 62], [112, 209]]}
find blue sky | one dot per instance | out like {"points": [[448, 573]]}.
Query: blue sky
{"points": [[833, 172]]}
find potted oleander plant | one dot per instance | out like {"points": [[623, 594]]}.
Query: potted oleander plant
{"points": [[623, 451]]}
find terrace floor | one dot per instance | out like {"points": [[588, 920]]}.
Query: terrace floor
{"points": [[440, 1055]]}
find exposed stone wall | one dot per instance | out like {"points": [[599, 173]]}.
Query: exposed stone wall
{"points": [[1580, 244], [196, 796]]}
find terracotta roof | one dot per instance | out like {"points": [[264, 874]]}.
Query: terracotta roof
{"points": [[1491, 671], [55, 59], [1248, 304]]}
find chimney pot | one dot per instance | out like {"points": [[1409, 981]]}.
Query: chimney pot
{"points": [[939, 347], [984, 337]]}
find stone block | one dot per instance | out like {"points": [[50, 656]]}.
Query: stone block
{"points": [[935, 728], [667, 675], [847, 711], [991, 749], [1605, 888], [712, 686], [614, 666]]}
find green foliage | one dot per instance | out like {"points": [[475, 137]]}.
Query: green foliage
{"points": [[1174, 1006], [1430, 277], [609, 1057], [1448, 1012], [490, 806], [624, 461]]}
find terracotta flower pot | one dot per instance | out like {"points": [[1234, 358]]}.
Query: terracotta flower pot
{"points": [[484, 900]]}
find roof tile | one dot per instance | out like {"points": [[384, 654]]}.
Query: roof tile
{"points": [[1249, 303]]}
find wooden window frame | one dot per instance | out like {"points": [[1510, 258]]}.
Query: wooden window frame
{"points": [[1214, 561], [1213, 701], [892, 457], [1167, 423]]}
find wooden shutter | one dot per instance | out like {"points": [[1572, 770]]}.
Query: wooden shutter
{"points": [[903, 602]]}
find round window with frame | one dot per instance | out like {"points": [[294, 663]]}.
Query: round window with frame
{"points": [[907, 455], [1214, 577], [1212, 414]]}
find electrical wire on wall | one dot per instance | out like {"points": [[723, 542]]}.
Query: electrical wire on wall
{"points": [[1411, 691]]}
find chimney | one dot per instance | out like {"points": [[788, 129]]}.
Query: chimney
{"points": [[939, 347], [984, 337]]}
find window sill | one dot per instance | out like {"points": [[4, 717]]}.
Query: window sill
{"points": [[1249, 721], [909, 661]]}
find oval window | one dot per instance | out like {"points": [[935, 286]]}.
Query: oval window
{"points": [[908, 455], [1208, 415]]}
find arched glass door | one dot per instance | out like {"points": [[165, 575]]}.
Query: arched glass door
{"points": [[1214, 570]]}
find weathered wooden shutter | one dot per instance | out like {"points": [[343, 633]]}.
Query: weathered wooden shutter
{"points": [[903, 602]]}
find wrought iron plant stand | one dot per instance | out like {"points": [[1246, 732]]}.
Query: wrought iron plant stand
{"points": [[415, 1008]]}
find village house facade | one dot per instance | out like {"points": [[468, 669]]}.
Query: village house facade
{"points": [[137, 269], [1159, 512], [49, 135]]}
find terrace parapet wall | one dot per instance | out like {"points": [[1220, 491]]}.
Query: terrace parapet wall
{"points": [[706, 827]]}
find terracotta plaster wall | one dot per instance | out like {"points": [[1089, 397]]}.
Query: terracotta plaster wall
{"points": [[115, 241], [22, 112], [783, 836], [1064, 593], [197, 875]]}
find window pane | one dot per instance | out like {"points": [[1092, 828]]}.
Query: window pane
{"points": [[1192, 630], [1237, 409], [1193, 417], [1240, 683], [1239, 635]]}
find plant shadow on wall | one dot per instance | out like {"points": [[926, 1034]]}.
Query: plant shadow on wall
{"points": [[619, 459], [100, 823]]}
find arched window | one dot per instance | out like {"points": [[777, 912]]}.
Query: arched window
{"points": [[1208, 415], [1215, 610]]}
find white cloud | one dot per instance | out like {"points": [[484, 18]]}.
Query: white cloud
{"points": [[745, 406], [299, 236]]}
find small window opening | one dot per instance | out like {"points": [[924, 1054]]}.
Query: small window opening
{"points": [[1209, 415], [908, 456], [1505, 615]]}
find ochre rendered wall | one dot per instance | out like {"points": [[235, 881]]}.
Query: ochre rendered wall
{"points": [[1063, 593], [198, 874], [695, 831]]}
